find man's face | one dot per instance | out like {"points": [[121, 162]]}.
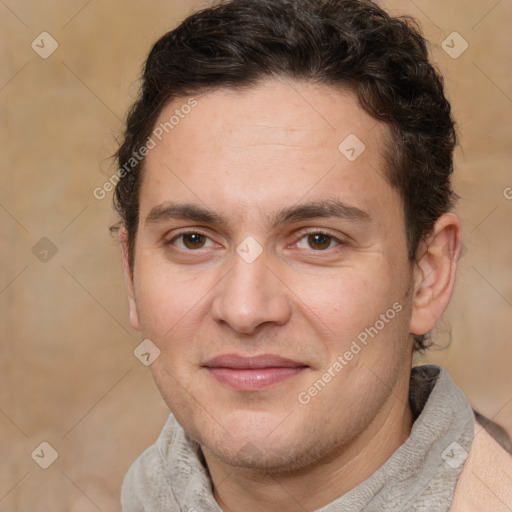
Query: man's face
{"points": [[259, 235]]}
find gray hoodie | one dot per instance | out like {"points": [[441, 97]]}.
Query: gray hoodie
{"points": [[171, 475]]}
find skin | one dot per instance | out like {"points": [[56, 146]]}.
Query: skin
{"points": [[245, 156]]}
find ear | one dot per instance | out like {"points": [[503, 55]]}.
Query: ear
{"points": [[128, 279], [434, 273]]}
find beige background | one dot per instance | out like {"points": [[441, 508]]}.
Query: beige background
{"points": [[68, 375]]}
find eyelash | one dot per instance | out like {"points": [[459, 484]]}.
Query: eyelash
{"points": [[300, 234]]}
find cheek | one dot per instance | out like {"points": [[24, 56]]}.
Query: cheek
{"points": [[360, 315], [349, 298], [165, 298]]}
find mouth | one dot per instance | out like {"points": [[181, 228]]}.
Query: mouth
{"points": [[255, 373]]}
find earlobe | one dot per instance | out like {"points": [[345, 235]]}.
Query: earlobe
{"points": [[128, 279], [434, 274]]}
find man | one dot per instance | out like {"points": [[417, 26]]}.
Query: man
{"points": [[287, 242]]}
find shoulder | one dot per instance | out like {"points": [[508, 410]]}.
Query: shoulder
{"points": [[486, 479], [141, 480], [146, 483]]}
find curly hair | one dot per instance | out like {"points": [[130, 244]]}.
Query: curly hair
{"points": [[349, 44]]}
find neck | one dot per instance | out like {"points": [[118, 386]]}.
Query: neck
{"points": [[314, 487]]}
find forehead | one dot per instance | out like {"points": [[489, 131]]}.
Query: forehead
{"points": [[277, 141], [272, 112]]}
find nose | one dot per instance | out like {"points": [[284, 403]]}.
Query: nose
{"points": [[250, 295]]}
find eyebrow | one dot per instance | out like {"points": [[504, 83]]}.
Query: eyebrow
{"points": [[327, 208]]}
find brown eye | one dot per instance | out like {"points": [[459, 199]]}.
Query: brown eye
{"points": [[319, 241], [193, 240]]}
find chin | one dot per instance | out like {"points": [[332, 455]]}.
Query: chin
{"points": [[257, 445], [258, 456], [246, 439], [272, 459]]}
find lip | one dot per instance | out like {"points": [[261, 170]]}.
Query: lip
{"points": [[252, 373]]}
